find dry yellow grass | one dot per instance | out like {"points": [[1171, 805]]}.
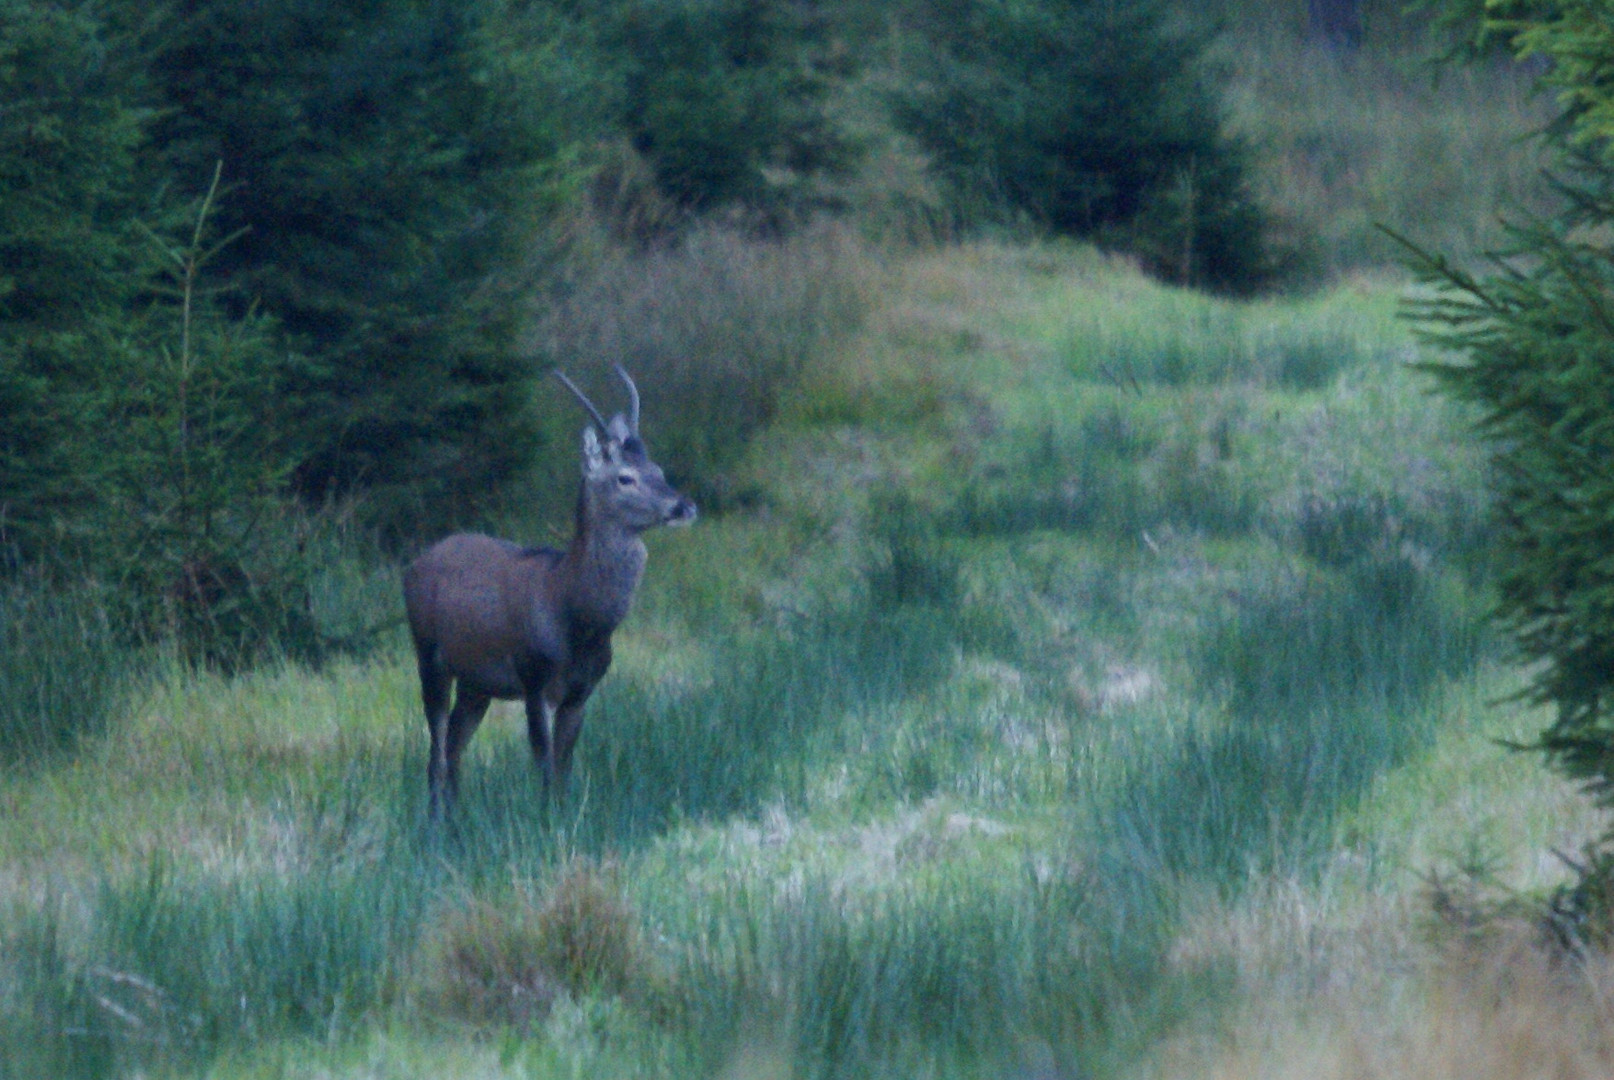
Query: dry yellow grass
{"points": [[1508, 1011]]}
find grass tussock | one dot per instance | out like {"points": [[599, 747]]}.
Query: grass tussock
{"points": [[506, 963], [592, 941]]}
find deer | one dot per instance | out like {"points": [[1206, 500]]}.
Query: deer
{"points": [[496, 620]]}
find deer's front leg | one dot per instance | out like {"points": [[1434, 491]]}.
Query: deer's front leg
{"points": [[536, 673], [540, 734], [568, 725], [588, 668]]}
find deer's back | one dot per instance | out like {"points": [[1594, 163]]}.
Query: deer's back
{"points": [[480, 600]]}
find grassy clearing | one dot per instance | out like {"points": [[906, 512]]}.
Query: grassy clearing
{"points": [[1039, 651]]}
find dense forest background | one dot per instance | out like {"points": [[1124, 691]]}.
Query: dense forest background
{"points": [[271, 272]]}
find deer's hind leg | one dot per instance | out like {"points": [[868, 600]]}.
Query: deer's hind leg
{"points": [[435, 685]]}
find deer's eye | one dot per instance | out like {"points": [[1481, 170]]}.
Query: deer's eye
{"points": [[626, 480]]}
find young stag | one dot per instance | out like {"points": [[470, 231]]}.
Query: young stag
{"points": [[497, 620]]}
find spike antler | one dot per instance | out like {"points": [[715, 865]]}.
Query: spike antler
{"points": [[599, 420], [633, 399]]}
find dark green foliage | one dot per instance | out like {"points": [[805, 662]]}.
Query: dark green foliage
{"points": [[389, 170], [192, 527], [172, 438], [726, 100], [340, 315], [68, 140], [1532, 345], [69, 134], [1090, 118], [1535, 351], [142, 429], [389, 175]]}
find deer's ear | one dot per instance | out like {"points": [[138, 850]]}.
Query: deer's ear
{"points": [[618, 429], [593, 452]]}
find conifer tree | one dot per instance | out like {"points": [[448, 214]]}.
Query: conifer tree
{"points": [[390, 171], [1089, 118], [194, 528], [727, 100], [70, 193], [1531, 345]]}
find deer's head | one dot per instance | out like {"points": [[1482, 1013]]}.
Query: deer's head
{"points": [[620, 482]]}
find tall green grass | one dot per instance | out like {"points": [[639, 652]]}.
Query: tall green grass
{"points": [[1321, 678], [162, 967], [64, 674], [935, 980], [942, 978], [170, 967], [174, 967], [1179, 338], [655, 756]]}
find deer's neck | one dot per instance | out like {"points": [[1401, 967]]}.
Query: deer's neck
{"points": [[604, 564]]}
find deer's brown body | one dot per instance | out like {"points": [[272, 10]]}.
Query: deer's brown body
{"points": [[492, 619]]}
